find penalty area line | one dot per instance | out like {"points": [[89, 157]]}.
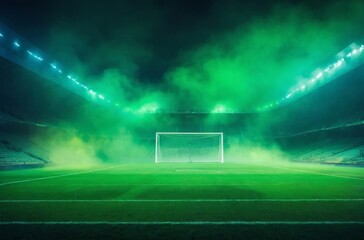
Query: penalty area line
{"points": [[311, 172], [180, 200], [57, 176], [185, 223]]}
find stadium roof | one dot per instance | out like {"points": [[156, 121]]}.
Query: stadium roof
{"points": [[208, 58]]}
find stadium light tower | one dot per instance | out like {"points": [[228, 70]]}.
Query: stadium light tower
{"points": [[345, 61], [16, 49]]}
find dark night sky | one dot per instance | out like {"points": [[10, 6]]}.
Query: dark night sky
{"points": [[189, 53], [165, 28]]}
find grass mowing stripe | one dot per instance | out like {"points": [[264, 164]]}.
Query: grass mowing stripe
{"points": [[189, 223], [182, 200], [311, 172], [57, 176]]}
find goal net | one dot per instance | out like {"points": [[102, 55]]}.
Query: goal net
{"points": [[189, 147]]}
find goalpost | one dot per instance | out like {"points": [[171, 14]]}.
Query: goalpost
{"points": [[189, 147]]}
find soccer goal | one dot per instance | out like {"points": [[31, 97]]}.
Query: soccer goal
{"points": [[189, 147]]}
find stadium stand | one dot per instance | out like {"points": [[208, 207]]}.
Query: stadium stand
{"points": [[12, 157], [333, 146], [16, 150]]}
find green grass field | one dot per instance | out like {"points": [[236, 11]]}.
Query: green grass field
{"points": [[184, 201]]}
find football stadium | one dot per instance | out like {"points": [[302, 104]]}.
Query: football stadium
{"points": [[182, 119]]}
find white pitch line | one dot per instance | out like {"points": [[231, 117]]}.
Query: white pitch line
{"points": [[182, 200], [192, 185], [312, 172], [56, 176], [199, 171], [185, 223], [330, 175]]}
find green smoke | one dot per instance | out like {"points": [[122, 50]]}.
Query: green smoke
{"points": [[116, 50], [259, 61], [250, 63]]}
